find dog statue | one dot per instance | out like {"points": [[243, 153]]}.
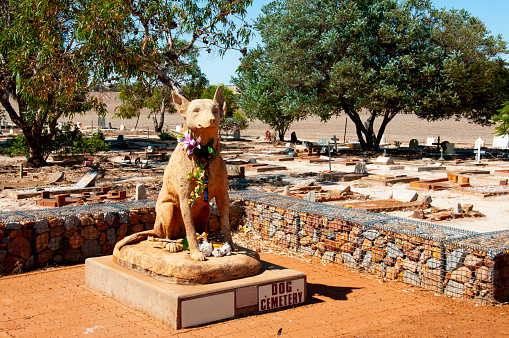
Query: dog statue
{"points": [[190, 181]]}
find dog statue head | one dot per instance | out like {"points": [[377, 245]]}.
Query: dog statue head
{"points": [[201, 116]]}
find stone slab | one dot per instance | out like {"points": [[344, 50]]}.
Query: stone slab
{"points": [[183, 306], [59, 190], [404, 195], [384, 181], [151, 258], [424, 168], [269, 168], [384, 160]]}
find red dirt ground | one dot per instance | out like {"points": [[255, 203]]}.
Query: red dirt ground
{"points": [[341, 302]]}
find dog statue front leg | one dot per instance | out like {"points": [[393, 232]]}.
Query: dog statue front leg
{"points": [[223, 206], [187, 216]]}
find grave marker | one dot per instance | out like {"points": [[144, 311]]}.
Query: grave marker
{"points": [[326, 142], [449, 148], [361, 168], [413, 145], [87, 179], [141, 192], [479, 143], [384, 160], [430, 141], [101, 122], [501, 142], [335, 139], [311, 196]]}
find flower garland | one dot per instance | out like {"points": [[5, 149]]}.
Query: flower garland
{"points": [[203, 157]]}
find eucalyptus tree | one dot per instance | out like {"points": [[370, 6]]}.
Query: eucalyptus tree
{"points": [[263, 97], [44, 71], [156, 37], [147, 92], [387, 56]]}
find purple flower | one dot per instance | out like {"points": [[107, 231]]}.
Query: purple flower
{"points": [[188, 143]]}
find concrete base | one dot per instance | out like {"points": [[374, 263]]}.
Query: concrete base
{"points": [[183, 306]]}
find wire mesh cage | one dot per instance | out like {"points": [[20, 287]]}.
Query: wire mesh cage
{"points": [[477, 267]]}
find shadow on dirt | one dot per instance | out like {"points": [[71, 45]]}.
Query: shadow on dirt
{"points": [[329, 291]]}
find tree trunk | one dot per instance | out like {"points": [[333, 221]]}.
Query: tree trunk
{"points": [[158, 125], [281, 134], [36, 156]]}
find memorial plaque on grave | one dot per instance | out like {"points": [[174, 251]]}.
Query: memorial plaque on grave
{"points": [[323, 142], [87, 179]]}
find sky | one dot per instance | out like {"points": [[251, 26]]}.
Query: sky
{"points": [[494, 13]]}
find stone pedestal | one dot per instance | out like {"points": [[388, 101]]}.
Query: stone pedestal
{"points": [[151, 258], [183, 306]]}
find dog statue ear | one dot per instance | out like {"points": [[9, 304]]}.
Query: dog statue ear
{"points": [[219, 99], [180, 103]]}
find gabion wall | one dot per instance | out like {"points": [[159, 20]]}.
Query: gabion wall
{"points": [[455, 262], [442, 259], [68, 235]]}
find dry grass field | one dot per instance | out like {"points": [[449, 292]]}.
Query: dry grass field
{"points": [[403, 128]]}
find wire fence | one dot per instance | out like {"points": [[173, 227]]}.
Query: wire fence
{"points": [[458, 263]]}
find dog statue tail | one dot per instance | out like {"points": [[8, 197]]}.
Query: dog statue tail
{"points": [[132, 239]]}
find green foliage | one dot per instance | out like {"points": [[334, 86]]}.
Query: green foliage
{"points": [[329, 57], [503, 119], [233, 119], [156, 37], [233, 123], [230, 98], [164, 135], [262, 96], [43, 69], [68, 140]]}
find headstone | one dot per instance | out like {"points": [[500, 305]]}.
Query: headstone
{"points": [[149, 149], [11, 131], [109, 125], [21, 170], [449, 148], [141, 192], [413, 145], [293, 138], [101, 122], [361, 168], [267, 135], [236, 134], [58, 176], [122, 127], [430, 141], [78, 125], [343, 188], [404, 195], [120, 138], [286, 190], [311, 196], [384, 160], [501, 142]]}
